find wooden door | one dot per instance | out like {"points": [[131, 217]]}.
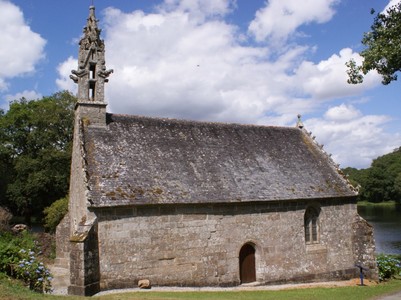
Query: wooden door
{"points": [[247, 264]]}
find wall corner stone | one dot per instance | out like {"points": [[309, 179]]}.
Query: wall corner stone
{"points": [[364, 247]]}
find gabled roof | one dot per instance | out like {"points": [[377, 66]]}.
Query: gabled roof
{"points": [[139, 160]]}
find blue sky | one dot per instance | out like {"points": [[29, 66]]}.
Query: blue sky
{"points": [[254, 62]]}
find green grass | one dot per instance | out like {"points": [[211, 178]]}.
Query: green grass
{"points": [[378, 204], [12, 290]]}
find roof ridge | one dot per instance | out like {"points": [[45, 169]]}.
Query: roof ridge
{"points": [[188, 121]]}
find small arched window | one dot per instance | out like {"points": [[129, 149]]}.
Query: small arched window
{"points": [[311, 225]]}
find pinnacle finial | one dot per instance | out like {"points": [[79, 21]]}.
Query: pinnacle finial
{"points": [[299, 122], [92, 11], [91, 74]]}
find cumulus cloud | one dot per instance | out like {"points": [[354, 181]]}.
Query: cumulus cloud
{"points": [[3, 85], [279, 19], [353, 138], [342, 113], [170, 64], [328, 78], [64, 70], [21, 48], [198, 9], [29, 95]]}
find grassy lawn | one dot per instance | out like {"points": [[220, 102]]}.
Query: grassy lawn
{"points": [[12, 290]]}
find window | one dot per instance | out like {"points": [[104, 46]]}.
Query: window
{"points": [[311, 224], [92, 82], [92, 91], [92, 71]]}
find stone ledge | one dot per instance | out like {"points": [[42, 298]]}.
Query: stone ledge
{"points": [[316, 248]]}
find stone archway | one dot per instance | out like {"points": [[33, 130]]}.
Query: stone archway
{"points": [[247, 264]]}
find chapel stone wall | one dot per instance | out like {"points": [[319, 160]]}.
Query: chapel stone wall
{"points": [[198, 245]]}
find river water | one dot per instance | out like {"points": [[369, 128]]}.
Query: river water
{"points": [[386, 222]]}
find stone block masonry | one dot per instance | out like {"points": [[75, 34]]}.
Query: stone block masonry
{"points": [[199, 245]]}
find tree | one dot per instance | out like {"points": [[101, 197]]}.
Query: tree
{"points": [[383, 45], [37, 137], [397, 186], [383, 178], [6, 168], [358, 178]]}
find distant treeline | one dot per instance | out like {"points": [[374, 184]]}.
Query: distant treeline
{"points": [[381, 181]]}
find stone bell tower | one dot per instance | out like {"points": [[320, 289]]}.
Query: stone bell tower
{"points": [[91, 74], [80, 250]]}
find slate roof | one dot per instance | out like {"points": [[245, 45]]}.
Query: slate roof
{"points": [[140, 160]]}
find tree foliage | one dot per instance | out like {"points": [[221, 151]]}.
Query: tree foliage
{"points": [[55, 213], [358, 178], [36, 140], [381, 184], [382, 52], [382, 181]]}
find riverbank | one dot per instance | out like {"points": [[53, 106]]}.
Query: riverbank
{"points": [[389, 204]]}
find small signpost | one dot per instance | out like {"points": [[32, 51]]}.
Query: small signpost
{"points": [[361, 269]]}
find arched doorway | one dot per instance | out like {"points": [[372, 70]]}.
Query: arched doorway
{"points": [[247, 264]]}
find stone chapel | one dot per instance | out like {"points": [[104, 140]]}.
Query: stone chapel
{"points": [[184, 203]]}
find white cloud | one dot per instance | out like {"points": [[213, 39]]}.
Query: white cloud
{"points": [[279, 19], [353, 138], [169, 64], [3, 85], [342, 113], [328, 78], [21, 48], [390, 4], [199, 9], [29, 95], [64, 70]]}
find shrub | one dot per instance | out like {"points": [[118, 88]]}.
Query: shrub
{"points": [[388, 265], [8, 252], [55, 213], [18, 259], [32, 271]]}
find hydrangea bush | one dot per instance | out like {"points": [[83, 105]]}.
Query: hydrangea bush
{"points": [[19, 259], [389, 266], [33, 272]]}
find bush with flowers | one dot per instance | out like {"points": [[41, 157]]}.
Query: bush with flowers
{"points": [[389, 266], [19, 259], [33, 272]]}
